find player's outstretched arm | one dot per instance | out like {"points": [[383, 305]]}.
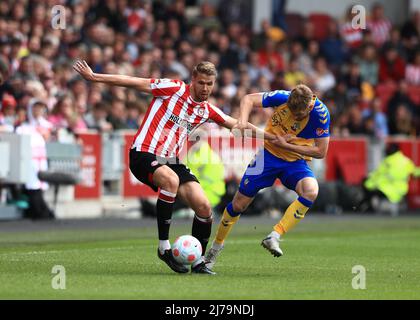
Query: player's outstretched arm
{"points": [[248, 102], [255, 132], [86, 72]]}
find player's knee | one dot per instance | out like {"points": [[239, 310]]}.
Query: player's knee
{"points": [[171, 183], [239, 206], [203, 209], [310, 195]]}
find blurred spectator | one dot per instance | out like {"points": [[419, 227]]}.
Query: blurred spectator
{"points": [[243, 48], [307, 34], [208, 18], [96, 119], [351, 36], [228, 86], [135, 114], [37, 117], [39, 129], [229, 57], [256, 71], [171, 64], [269, 55], [8, 112], [404, 121], [322, 78], [412, 72], [278, 82], [294, 76], [339, 97], [379, 25], [332, 48], [118, 115], [313, 50], [356, 124], [368, 65], [353, 81], [400, 100], [391, 66], [379, 120], [239, 11], [65, 116], [341, 125], [410, 32], [177, 11], [394, 41], [303, 59]]}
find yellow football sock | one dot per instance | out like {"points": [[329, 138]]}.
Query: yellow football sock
{"points": [[225, 225], [294, 213]]}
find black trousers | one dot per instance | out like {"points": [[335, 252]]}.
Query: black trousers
{"points": [[368, 195], [38, 208]]}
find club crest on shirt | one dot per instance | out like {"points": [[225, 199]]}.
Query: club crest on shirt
{"points": [[296, 126], [199, 111]]}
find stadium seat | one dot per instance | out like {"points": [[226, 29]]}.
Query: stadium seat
{"points": [[58, 179], [294, 23], [385, 91], [414, 94], [320, 22], [353, 170]]}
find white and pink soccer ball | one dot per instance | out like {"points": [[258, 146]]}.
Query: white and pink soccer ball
{"points": [[186, 250]]}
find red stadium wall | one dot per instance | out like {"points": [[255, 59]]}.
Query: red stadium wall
{"points": [[91, 185], [347, 160]]}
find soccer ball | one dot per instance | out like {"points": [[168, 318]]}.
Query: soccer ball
{"points": [[186, 250]]}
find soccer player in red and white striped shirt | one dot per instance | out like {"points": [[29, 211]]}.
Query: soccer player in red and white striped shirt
{"points": [[176, 110]]}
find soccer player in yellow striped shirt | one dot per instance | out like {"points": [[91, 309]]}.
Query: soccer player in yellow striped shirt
{"points": [[301, 124]]}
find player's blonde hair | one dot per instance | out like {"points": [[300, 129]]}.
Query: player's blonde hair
{"points": [[300, 98], [206, 68]]}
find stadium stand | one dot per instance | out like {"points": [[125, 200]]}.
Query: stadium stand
{"points": [[158, 39]]}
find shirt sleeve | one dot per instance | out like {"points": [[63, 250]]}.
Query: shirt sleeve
{"points": [[165, 88], [275, 98], [323, 123], [217, 115]]}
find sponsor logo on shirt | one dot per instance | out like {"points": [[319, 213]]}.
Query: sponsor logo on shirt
{"points": [[321, 131], [182, 123]]}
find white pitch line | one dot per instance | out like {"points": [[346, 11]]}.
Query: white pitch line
{"points": [[71, 250]]}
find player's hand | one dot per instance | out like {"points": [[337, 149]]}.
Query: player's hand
{"points": [[84, 70], [281, 141], [239, 127], [289, 137]]}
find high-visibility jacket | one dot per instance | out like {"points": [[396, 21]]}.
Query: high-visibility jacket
{"points": [[207, 166], [392, 176]]}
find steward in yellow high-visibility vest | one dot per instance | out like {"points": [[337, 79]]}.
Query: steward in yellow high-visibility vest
{"points": [[393, 175], [207, 166]]}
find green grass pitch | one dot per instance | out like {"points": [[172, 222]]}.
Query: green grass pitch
{"points": [[122, 263]]}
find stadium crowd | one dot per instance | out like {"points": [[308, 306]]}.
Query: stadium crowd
{"points": [[369, 79]]}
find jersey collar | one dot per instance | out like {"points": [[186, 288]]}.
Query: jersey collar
{"points": [[313, 101]]}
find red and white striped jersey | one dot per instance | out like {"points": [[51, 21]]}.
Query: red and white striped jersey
{"points": [[353, 37], [171, 117], [412, 74], [380, 31]]}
